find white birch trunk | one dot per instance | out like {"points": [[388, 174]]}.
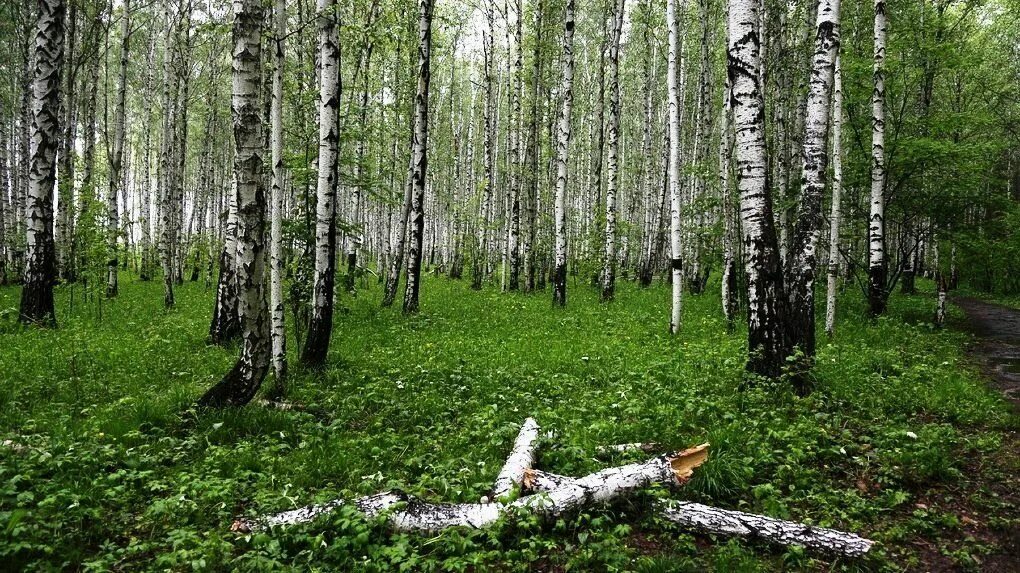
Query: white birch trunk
{"points": [[419, 156], [877, 263], [803, 255], [117, 157], [239, 385], [516, 164], [321, 327], [37, 305], [276, 312], [837, 192], [145, 215], [562, 158], [672, 86], [613, 160], [766, 340]]}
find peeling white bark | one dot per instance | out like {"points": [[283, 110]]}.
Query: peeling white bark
{"points": [[709, 519]]}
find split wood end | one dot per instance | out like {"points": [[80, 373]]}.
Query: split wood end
{"points": [[683, 464]]}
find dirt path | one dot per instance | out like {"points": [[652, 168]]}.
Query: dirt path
{"points": [[991, 488], [997, 348]]}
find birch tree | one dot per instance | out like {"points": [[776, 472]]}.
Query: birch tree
{"points": [[419, 155], [279, 333], [481, 258], [516, 165], [117, 156], [320, 328], [837, 192], [877, 264], [766, 339], [815, 155], [613, 160], [239, 385], [562, 158], [673, 168], [41, 266]]}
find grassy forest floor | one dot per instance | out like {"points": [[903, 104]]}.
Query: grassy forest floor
{"points": [[108, 467]]}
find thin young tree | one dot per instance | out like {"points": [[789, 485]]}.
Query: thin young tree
{"points": [[613, 160], [837, 191], [729, 271], [481, 258], [320, 329], [276, 308], [117, 156], [145, 207], [419, 155], [516, 165], [673, 168], [37, 305], [877, 264], [766, 339], [241, 383], [357, 236], [562, 159]]}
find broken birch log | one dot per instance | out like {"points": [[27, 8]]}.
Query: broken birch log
{"points": [[521, 458], [625, 448], [406, 513], [709, 519]]}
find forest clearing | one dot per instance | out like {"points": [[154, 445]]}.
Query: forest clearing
{"points": [[900, 442], [509, 285]]}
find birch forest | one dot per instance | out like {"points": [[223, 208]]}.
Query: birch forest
{"points": [[509, 285]]}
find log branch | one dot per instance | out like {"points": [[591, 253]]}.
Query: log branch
{"points": [[709, 519], [521, 458]]}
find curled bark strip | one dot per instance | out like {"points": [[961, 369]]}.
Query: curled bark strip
{"points": [[416, 515], [521, 458], [709, 519], [647, 448]]}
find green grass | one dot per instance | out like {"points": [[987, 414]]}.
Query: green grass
{"points": [[120, 473]]}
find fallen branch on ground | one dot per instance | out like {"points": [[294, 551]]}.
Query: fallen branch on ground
{"points": [[708, 519], [727, 522], [521, 458], [418, 515]]}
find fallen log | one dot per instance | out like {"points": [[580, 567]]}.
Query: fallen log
{"points": [[709, 519], [647, 448], [521, 458], [406, 513]]}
